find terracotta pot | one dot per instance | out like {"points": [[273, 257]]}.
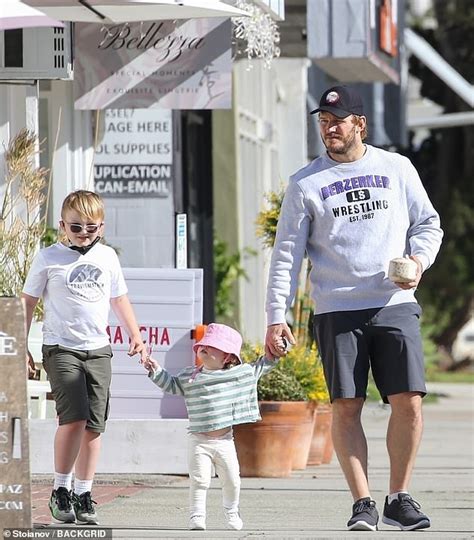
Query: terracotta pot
{"points": [[321, 444], [266, 448], [304, 436]]}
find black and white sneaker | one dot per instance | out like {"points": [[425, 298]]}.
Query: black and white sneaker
{"points": [[85, 509], [364, 516], [61, 507], [405, 513]]}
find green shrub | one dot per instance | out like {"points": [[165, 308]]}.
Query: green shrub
{"points": [[298, 376], [279, 385]]}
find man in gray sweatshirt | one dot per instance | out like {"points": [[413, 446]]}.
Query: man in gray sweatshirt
{"points": [[353, 210]]}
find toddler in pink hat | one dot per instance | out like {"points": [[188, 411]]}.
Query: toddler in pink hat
{"points": [[224, 338], [219, 393]]}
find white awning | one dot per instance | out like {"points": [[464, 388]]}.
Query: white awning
{"points": [[14, 14], [120, 11]]}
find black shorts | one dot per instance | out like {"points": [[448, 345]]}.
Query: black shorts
{"points": [[80, 383], [387, 339]]}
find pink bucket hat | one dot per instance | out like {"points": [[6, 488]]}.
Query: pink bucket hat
{"points": [[221, 337]]}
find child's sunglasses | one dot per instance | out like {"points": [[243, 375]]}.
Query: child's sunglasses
{"points": [[90, 228]]}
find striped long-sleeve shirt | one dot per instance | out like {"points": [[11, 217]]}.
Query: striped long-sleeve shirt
{"points": [[217, 399]]}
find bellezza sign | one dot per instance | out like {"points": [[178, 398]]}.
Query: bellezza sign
{"points": [[169, 64]]}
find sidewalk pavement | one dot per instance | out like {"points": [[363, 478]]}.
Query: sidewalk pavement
{"points": [[314, 503]]}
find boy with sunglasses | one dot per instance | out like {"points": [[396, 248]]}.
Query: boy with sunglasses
{"points": [[79, 280]]}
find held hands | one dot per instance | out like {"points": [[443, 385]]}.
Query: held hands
{"points": [[137, 346], [274, 342], [413, 284], [150, 364]]}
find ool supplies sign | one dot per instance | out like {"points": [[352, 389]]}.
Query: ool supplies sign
{"points": [[134, 157]]}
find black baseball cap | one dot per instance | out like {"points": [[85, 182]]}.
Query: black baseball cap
{"points": [[341, 101]]}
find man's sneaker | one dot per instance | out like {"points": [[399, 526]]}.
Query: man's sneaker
{"points": [[85, 510], [364, 516], [61, 507], [197, 523], [405, 513], [234, 521]]}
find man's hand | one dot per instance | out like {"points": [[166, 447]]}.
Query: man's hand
{"points": [[150, 364], [273, 340], [137, 346], [419, 272]]}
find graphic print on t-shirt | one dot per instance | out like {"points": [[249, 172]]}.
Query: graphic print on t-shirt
{"points": [[87, 281]]}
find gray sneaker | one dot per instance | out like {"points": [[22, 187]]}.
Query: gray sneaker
{"points": [[364, 515], [61, 507], [85, 510], [405, 513]]}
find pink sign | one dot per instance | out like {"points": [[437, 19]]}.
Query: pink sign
{"points": [[183, 64]]}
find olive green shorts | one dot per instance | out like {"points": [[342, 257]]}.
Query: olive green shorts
{"points": [[80, 384]]}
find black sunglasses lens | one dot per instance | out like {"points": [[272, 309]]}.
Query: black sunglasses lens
{"points": [[92, 228], [75, 228]]}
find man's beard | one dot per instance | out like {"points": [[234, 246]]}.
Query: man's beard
{"points": [[347, 143]]}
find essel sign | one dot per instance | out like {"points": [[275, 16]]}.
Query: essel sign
{"points": [[134, 157]]}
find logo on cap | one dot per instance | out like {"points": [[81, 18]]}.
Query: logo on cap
{"points": [[332, 97]]}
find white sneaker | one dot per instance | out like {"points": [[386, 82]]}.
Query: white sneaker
{"points": [[233, 520], [197, 523]]}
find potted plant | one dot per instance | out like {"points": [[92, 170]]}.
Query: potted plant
{"points": [[23, 199], [280, 442]]}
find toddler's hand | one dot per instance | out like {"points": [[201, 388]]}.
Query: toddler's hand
{"points": [[150, 364], [282, 344]]}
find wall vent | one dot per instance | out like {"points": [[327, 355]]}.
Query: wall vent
{"points": [[36, 53]]}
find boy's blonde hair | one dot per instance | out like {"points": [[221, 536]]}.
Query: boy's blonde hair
{"points": [[87, 203]]}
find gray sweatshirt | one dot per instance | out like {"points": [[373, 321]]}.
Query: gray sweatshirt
{"points": [[351, 218]]}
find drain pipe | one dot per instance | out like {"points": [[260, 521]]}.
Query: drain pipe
{"points": [[438, 65]]}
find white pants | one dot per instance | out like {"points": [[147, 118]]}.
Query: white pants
{"points": [[203, 452]]}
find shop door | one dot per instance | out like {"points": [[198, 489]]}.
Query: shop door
{"points": [[197, 198]]}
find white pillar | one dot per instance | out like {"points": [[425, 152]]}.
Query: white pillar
{"points": [[72, 159], [15, 99]]}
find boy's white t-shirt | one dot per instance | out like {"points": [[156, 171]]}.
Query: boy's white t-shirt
{"points": [[76, 291]]}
